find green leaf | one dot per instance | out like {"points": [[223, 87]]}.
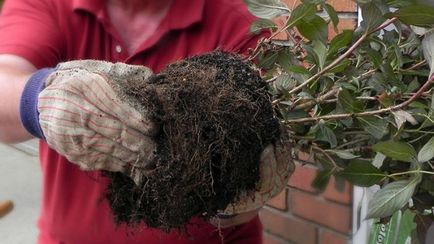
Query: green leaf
{"points": [[322, 179], [428, 50], [348, 102], [294, 114], [363, 1], [316, 2], [362, 173], [427, 122], [402, 116], [414, 84], [339, 42], [320, 51], [313, 29], [344, 154], [391, 198], [418, 105], [286, 59], [341, 67], [397, 150], [426, 153], [372, 16], [300, 12], [374, 125], [305, 95], [332, 14], [268, 60], [267, 9], [326, 134], [427, 185], [298, 70], [261, 24], [285, 82], [423, 2], [416, 14], [378, 160], [431, 109], [375, 57], [401, 3]]}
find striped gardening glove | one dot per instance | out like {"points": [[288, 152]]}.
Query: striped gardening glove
{"points": [[275, 168], [75, 108]]}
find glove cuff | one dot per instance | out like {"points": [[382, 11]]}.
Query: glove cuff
{"points": [[29, 102]]}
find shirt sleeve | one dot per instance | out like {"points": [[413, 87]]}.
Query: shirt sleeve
{"points": [[28, 28]]}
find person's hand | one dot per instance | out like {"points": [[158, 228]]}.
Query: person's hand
{"points": [[83, 118], [275, 168]]}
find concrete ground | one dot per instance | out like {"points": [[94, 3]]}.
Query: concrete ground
{"points": [[20, 181]]}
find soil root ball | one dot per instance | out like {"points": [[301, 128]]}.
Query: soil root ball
{"points": [[216, 117]]}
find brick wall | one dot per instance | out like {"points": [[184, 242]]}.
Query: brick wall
{"points": [[300, 214]]}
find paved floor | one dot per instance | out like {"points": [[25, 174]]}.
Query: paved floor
{"points": [[20, 181]]}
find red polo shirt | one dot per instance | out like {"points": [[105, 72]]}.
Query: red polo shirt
{"points": [[47, 32]]}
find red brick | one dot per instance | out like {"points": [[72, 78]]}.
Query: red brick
{"points": [[271, 239], [302, 178], [339, 5], [279, 201], [343, 5], [280, 22], [288, 228], [344, 24], [313, 208], [291, 3], [347, 24], [343, 195], [329, 237]]}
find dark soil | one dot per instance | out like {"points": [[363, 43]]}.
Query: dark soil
{"points": [[216, 117]]}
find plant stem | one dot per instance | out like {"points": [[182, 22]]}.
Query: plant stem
{"points": [[342, 57], [415, 66], [284, 28], [331, 65], [352, 143], [332, 161], [308, 138], [420, 131], [411, 172], [356, 132], [323, 98], [319, 99], [368, 113], [367, 74], [385, 24]]}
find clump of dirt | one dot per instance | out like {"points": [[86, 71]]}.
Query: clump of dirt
{"points": [[216, 117]]}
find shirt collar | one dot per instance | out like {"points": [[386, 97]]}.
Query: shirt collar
{"points": [[182, 13], [95, 7]]}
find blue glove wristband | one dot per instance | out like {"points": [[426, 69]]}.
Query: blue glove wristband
{"points": [[29, 102]]}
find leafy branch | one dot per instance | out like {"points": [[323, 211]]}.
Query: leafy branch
{"points": [[360, 103], [425, 87]]}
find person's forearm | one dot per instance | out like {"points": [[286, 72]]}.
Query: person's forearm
{"points": [[14, 73]]}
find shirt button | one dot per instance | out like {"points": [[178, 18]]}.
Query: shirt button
{"points": [[118, 49]]}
